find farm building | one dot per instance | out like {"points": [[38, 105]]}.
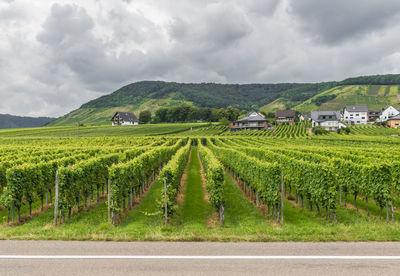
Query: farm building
{"points": [[394, 121], [373, 115], [356, 114], [285, 116], [252, 121], [387, 113], [329, 120], [305, 117], [124, 119]]}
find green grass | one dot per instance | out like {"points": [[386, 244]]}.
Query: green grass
{"points": [[195, 209], [99, 131]]}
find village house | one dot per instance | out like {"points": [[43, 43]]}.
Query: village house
{"points": [[356, 114], [394, 121], [329, 120], [305, 117], [285, 116], [124, 119], [373, 115], [252, 121], [387, 113]]}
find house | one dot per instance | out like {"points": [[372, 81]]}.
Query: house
{"points": [[387, 113], [124, 119], [394, 121], [252, 121], [305, 117], [373, 115], [329, 120], [283, 116], [356, 114]]}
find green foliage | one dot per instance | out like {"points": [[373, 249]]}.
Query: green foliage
{"points": [[319, 130], [172, 173], [145, 116], [214, 172], [129, 178], [323, 99]]}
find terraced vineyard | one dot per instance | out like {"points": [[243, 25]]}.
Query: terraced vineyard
{"points": [[198, 185], [281, 131]]}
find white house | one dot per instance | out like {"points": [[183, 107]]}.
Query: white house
{"points": [[329, 120], [356, 114], [387, 113], [305, 117], [124, 119]]}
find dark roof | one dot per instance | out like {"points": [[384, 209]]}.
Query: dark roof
{"points": [[285, 113], [356, 108], [306, 116], [126, 116], [318, 116], [253, 117], [397, 117], [374, 112]]}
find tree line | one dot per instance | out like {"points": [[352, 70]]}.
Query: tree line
{"points": [[189, 113]]}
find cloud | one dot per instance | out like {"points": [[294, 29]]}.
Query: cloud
{"points": [[340, 20], [57, 55]]}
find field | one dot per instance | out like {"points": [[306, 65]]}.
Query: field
{"points": [[108, 183]]}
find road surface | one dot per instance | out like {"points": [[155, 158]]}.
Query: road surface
{"points": [[197, 258]]}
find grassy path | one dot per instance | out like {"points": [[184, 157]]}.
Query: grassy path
{"points": [[195, 208]]}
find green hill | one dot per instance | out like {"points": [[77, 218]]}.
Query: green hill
{"points": [[375, 91]]}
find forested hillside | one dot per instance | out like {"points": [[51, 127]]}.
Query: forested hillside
{"points": [[153, 95], [10, 121]]}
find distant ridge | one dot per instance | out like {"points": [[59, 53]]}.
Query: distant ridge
{"points": [[11, 121], [152, 95]]}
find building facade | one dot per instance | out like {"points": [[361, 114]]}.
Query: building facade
{"points": [[329, 120], [374, 115], [124, 119], [252, 121], [285, 116], [387, 113], [394, 121], [356, 114]]}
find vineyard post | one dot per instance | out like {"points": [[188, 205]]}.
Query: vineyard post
{"points": [[392, 213], [109, 200], [13, 212], [56, 200], [165, 202], [387, 212], [282, 197]]}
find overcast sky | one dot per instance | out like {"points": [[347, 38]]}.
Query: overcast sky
{"points": [[57, 55]]}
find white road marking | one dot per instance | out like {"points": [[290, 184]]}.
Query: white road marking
{"points": [[231, 257]]}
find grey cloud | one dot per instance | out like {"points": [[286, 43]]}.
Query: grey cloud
{"points": [[340, 20], [216, 26], [82, 50]]}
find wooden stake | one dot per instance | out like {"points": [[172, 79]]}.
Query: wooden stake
{"points": [[282, 198], [109, 200], [56, 201], [165, 202]]}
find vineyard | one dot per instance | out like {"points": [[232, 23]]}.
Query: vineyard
{"points": [[200, 183]]}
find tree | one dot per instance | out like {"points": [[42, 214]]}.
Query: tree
{"points": [[145, 116]]}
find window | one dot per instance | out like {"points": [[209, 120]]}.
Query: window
{"points": [[396, 123], [347, 117], [357, 115], [363, 118]]}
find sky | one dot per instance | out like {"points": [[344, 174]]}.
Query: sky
{"points": [[57, 55]]}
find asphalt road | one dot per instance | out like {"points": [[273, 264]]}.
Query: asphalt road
{"points": [[193, 258]]}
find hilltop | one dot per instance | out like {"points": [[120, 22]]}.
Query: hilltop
{"points": [[376, 91]]}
